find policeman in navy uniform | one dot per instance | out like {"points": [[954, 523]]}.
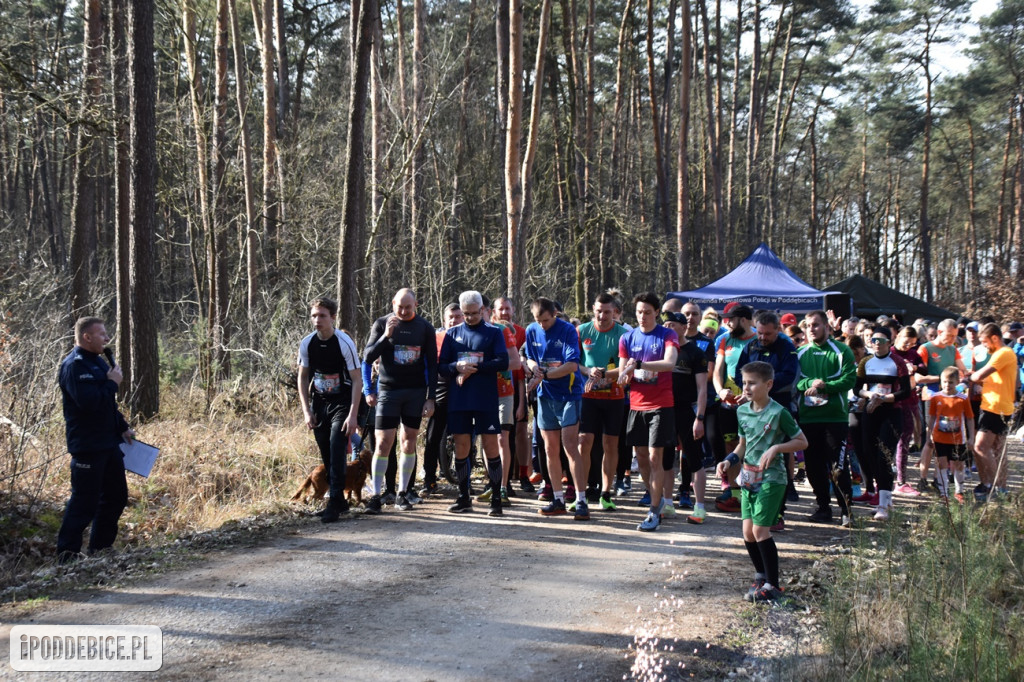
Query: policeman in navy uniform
{"points": [[95, 428]]}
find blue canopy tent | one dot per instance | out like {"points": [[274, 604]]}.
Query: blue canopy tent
{"points": [[763, 282]]}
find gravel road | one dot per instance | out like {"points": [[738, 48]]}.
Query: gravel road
{"points": [[427, 595]]}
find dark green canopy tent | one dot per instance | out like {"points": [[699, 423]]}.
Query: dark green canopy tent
{"points": [[870, 299]]}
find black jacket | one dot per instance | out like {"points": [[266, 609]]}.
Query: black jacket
{"points": [[90, 403]]}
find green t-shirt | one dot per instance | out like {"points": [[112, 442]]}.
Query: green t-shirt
{"points": [[771, 426], [601, 349]]}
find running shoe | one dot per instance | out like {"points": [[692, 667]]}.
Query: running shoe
{"points": [[620, 488], [907, 489], [881, 514], [402, 502], [546, 495], [388, 498], [461, 506], [982, 491], [606, 502], [373, 505], [582, 512], [333, 512], [791, 494], [571, 505], [650, 523], [645, 501], [526, 485], [429, 489], [505, 502], [555, 508], [508, 491], [754, 587], [697, 516], [536, 478], [570, 492], [413, 497], [593, 494], [769, 594], [922, 486], [959, 497], [485, 496], [823, 515], [726, 494], [627, 482], [668, 510], [729, 506], [685, 501], [634, 466], [846, 521], [779, 526], [496, 508], [864, 497]]}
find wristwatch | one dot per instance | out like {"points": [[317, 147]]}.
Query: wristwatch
{"points": [[700, 417]]}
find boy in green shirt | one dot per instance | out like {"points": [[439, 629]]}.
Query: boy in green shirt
{"points": [[767, 431]]}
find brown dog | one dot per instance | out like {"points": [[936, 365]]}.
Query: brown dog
{"points": [[318, 482], [356, 473]]}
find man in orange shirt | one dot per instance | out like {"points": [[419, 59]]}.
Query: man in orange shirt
{"points": [[999, 379]]}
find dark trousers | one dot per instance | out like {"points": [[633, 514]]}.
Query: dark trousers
{"points": [[826, 460], [881, 434], [99, 494], [332, 440], [437, 430]]}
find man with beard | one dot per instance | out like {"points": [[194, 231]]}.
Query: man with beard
{"points": [[738, 318]]}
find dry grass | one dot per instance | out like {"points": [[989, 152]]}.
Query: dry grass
{"points": [[932, 597], [243, 456]]}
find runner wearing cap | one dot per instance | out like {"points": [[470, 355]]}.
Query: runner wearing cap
{"points": [[738, 319]]}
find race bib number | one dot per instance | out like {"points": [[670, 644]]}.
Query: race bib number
{"points": [[881, 389], [327, 384], [751, 478], [949, 424], [645, 376], [471, 357], [406, 355]]}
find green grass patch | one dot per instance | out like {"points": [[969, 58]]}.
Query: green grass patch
{"points": [[936, 596]]}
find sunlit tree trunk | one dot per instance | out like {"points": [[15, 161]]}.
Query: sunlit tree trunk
{"points": [[353, 211]]}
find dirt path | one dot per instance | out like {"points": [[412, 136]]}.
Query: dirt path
{"points": [[429, 595]]}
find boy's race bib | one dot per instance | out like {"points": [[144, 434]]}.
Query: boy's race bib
{"points": [[751, 478]]}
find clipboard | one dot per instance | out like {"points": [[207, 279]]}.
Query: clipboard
{"points": [[139, 457]]}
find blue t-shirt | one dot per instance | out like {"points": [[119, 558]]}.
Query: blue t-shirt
{"points": [[552, 348]]}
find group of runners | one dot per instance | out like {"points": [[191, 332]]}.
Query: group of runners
{"points": [[658, 388]]}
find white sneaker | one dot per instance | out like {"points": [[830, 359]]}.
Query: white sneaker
{"points": [[881, 514], [846, 521], [634, 467]]}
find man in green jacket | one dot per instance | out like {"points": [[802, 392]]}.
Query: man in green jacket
{"points": [[827, 373]]}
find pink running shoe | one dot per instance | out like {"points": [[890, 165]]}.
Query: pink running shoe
{"points": [[907, 489]]}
